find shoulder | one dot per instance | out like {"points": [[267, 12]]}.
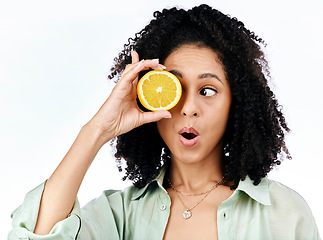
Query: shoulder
{"points": [[280, 198], [109, 205], [110, 198], [119, 198], [284, 197], [288, 208], [126, 194]]}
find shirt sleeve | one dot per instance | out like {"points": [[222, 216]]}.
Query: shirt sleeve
{"points": [[99, 219], [25, 216], [290, 215]]}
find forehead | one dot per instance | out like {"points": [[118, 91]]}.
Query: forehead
{"points": [[193, 53], [199, 59]]}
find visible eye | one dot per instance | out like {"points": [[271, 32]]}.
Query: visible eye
{"points": [[208, 92]]}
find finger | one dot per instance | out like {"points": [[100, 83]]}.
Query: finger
{"points": [[131, 72], [134, 56], [131, 66], [147, 64], [152, 63], [134, 59], [148, 117]]}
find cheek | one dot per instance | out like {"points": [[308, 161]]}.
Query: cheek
{"points": [[163, 128], [223, 107], [219, 115]]}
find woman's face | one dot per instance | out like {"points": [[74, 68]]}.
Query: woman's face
{"points": [[195, 131]]}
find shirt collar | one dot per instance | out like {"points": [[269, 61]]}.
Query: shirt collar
{"points": [[159, 180], [260, 193]]}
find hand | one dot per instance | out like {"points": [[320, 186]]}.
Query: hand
{"points": [[120, 113]]}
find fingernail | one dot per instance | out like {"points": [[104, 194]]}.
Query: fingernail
{"points": [[162, 66], [155, 60], [168, 116]]}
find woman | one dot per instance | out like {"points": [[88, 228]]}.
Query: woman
{"points": [[199, 169]]}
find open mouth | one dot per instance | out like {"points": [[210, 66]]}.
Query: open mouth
{"points": [[189, 136]]}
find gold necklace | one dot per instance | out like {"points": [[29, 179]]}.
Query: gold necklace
{"points": [[196, 194], [187, 213]]}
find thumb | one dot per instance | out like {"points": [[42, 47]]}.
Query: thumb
{"points": [[155, 116]]}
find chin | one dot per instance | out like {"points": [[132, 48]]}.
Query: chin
{"points": [[187, 157]]}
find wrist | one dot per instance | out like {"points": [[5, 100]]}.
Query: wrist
{"points": [[96, 133]]}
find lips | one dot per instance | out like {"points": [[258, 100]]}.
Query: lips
{"points": [[188, 136]]}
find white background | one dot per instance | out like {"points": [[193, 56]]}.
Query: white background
{"points": [[54, 60]]}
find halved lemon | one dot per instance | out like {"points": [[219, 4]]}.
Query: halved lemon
{"points": [[159, 90]]}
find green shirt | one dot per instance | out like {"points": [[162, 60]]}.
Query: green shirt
{"points": [[267, 211]]}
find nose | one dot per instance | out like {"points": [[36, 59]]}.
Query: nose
{"points": [[189, 106]]}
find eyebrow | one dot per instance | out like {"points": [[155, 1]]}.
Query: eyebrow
{"points": [[203, 75], [210, 75]]}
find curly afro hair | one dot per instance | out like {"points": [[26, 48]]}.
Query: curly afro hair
{"points": [[254, 139]]}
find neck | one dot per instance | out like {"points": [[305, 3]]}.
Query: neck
{"points": [[195, 177]]}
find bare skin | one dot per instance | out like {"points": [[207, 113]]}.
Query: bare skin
{"points": [[204, 106], [120, 113], [203, 222]]}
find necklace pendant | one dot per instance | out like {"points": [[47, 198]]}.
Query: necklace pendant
{"points": [[187, 214]]}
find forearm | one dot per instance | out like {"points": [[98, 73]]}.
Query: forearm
{"points": [[118, 115], [62, 187]]}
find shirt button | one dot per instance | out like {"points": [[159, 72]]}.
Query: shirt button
{"points": [[162, 207]]}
